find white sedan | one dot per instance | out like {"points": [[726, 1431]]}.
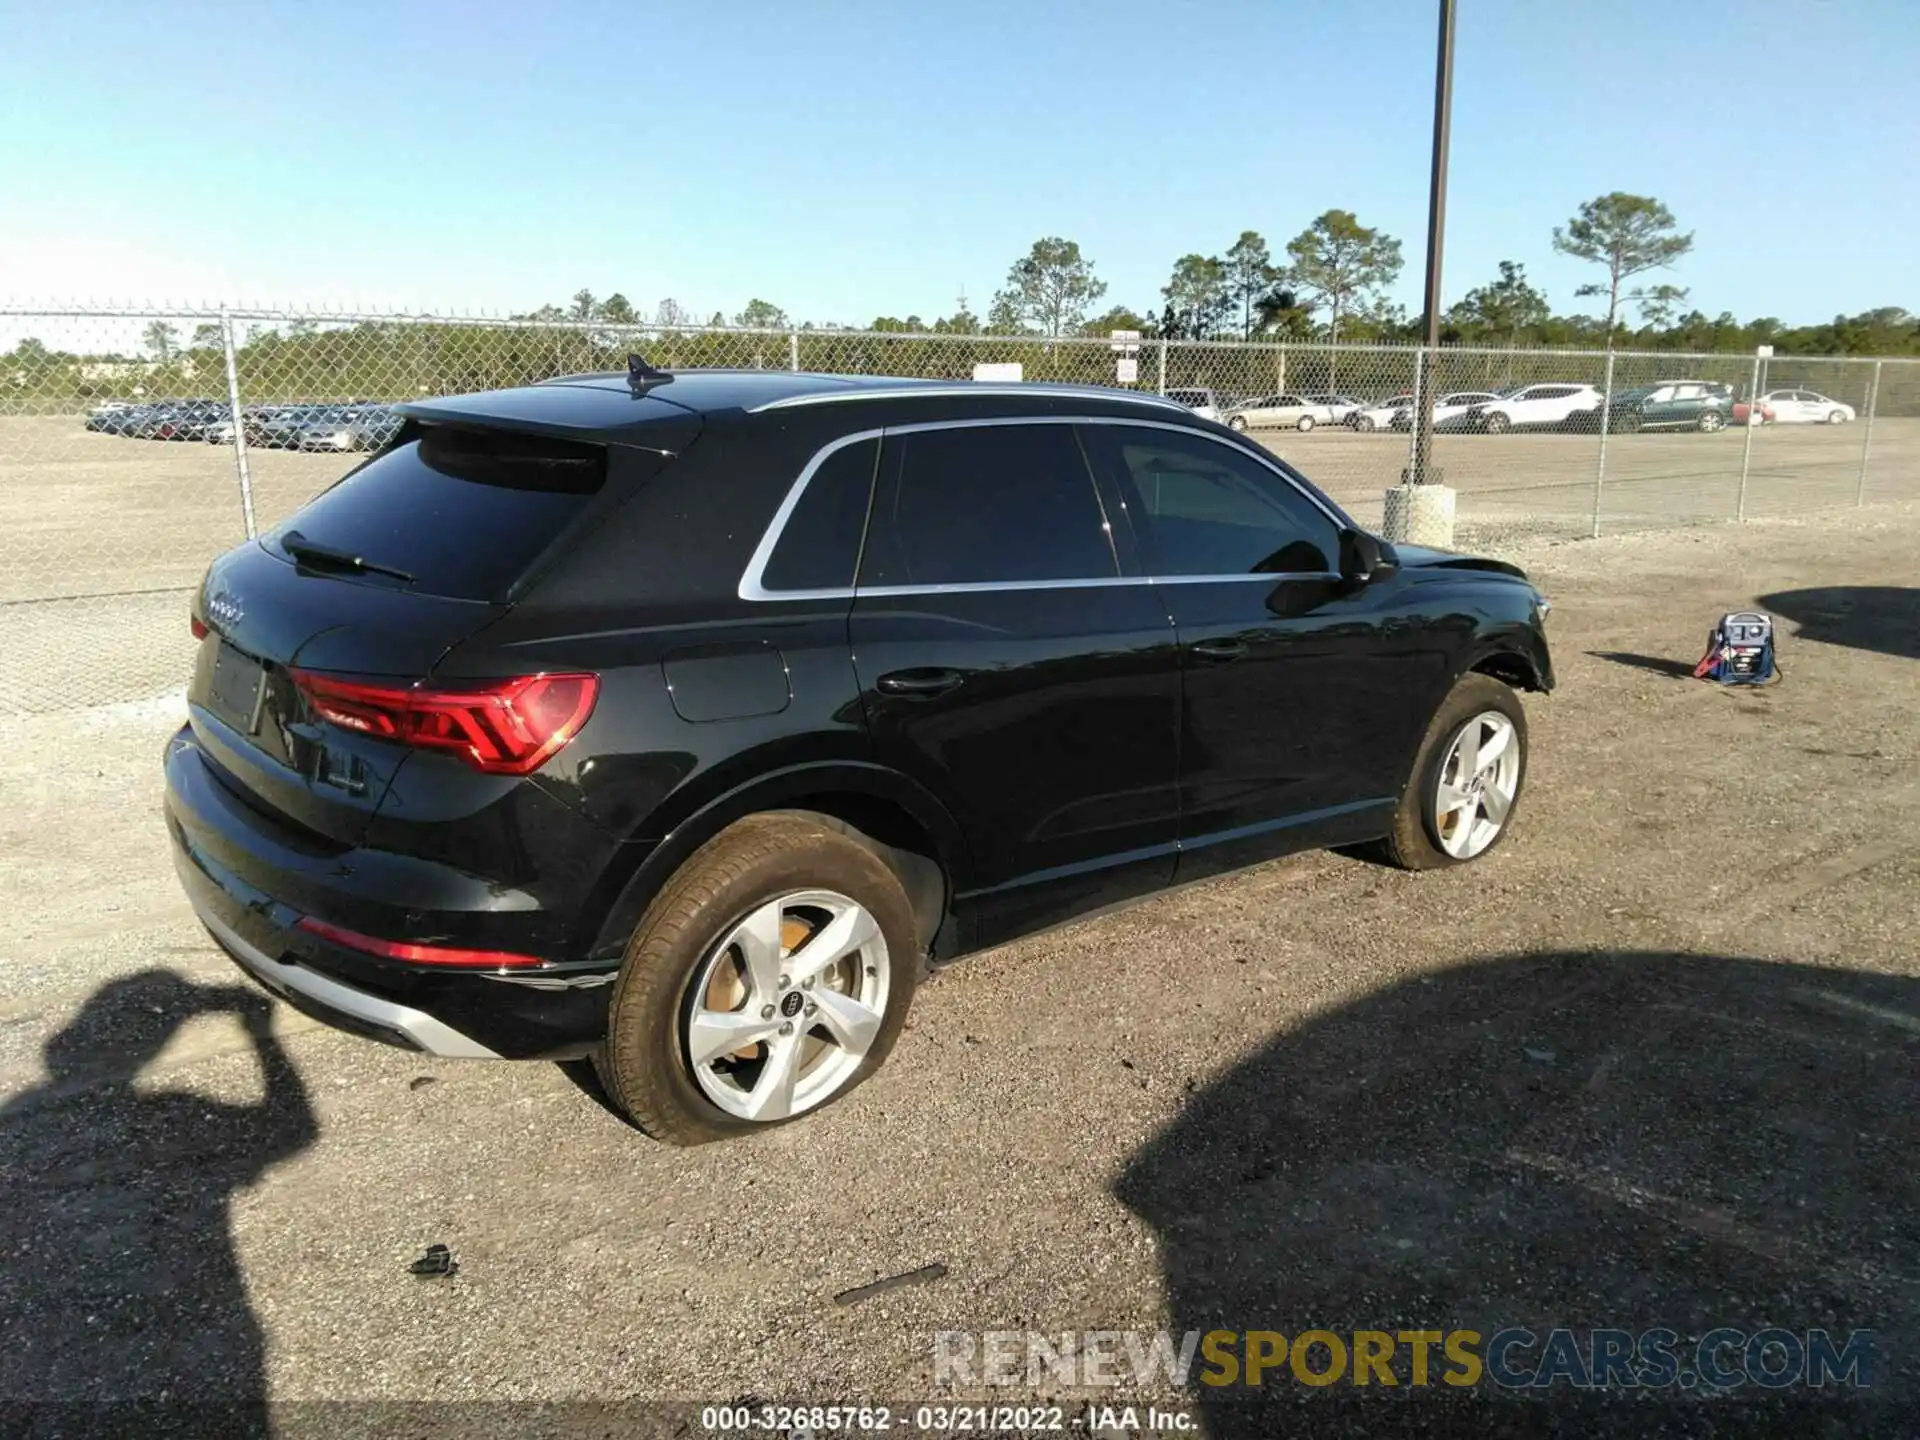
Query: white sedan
{"points": [[1380, 417], [1805, 407], [1273, 412]]}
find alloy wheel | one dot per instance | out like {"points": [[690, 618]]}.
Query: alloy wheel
{"points": [[783, 1009], [1478, 781]]}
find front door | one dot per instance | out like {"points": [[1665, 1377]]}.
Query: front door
{"points": [[1006, 663], [1296, 721]]}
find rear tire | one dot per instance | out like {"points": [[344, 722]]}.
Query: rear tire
{"points": [[1238, 423], [685, 937], [1626, 423], [1712, 421], [1305, 423], [1364, 424], [1497, 424], [1421, 831]]}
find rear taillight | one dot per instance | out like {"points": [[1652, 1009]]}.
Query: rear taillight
{"points": [[503, 727], [198, 626], [406, 950]]}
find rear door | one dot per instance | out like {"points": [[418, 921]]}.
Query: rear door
{"points": [[1007, 663]]}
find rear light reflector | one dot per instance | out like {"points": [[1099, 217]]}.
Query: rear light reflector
{"points": [[418, 954], [198, 626], [501, 727]]}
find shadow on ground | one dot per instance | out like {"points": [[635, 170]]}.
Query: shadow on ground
{"points": [[1569, 1139], [1885, 618], [1658, 664], [120, 1275]]}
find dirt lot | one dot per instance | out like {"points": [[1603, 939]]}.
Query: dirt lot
{"points": [[1653, 1063]]}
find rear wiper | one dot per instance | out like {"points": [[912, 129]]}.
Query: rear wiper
{"points": [[307, 552]]}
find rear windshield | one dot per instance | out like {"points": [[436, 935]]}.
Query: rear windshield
{"points": [[463, 512]]}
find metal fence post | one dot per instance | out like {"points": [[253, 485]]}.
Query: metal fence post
{"points": [[1746, 453], [1162, 383], [793, 350], [1866, 440], [1600, 468], [239, 422], [1412, 477]]}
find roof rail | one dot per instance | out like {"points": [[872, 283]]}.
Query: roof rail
{"points": [[938, 391]]}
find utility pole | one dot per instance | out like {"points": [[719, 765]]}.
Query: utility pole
{"points": [[1421, 472]]}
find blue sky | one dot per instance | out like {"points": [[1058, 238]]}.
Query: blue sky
{"points": [[852, 159]]}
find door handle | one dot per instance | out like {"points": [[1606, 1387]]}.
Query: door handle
{"points": [[923, 683], [1226, 648]]}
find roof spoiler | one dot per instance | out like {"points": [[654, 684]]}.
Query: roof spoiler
{"points": [[641, 376]]}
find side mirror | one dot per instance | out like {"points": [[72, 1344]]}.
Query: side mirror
{"points": [[1363, 557]]}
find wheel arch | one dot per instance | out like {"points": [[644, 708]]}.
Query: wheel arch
{"points": [[891, 814]]}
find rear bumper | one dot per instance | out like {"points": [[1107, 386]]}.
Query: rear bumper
{"points": [[326, 999], [250, 888]]}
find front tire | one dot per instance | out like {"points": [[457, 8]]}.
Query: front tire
{"points": [[1364, 424], [1836, 417], [1305, 423], [1712, 421], [1498, 424], [1466, 782], [1238, 424], [770, 976]]}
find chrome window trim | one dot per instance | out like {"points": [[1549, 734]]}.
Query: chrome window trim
{"points": [[752, 588], [1040, 390]]}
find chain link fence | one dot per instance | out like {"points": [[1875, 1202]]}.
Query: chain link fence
{"points": [[137, 443]]}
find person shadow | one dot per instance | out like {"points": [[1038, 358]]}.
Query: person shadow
{"points": [[1581, 1139], [126, 1308]]}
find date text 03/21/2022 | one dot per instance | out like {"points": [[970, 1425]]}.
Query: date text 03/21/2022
{"points": [[802, 1422]]}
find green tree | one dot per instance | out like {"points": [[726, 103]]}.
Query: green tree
{"points": [[762, 315], [206, 337], [1630, 235], [670, 314], [1050, 288], [1502, 312], [962, 322], [1198, 298], [1250, 277], [616, 309], [1118, 318], [1658, 303], [160, 338], [584, 306], [1338, 263]]}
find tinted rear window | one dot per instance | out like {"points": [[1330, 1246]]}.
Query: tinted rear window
{"points": [[464, 512]]}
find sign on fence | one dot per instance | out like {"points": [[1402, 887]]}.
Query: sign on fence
{"points": [[999, 370], [1127, 372]]}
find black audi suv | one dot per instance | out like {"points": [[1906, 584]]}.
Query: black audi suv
{"points": [[680, 720]]}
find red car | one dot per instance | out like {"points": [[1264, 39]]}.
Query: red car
{"points": [[1743, 410]]}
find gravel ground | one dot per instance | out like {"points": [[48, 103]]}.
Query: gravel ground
{"points": [[1654, 1062]]}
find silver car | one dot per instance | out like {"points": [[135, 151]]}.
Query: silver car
{"points": [[1281, 412]]}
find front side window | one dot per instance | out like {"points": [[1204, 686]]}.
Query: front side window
{"points": [[986, 504], [1204, 508]]}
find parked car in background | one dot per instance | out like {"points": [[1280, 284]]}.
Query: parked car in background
{"points": [[1204, 402], [1671, 405], [1341, 408], [1551, 406], [168, 419], [284, 427], [1807, 407], [1454, 407], [1280, 412], [116, 417], [1747, 413], [358, 427], [684, 730], [1378, 417]]}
